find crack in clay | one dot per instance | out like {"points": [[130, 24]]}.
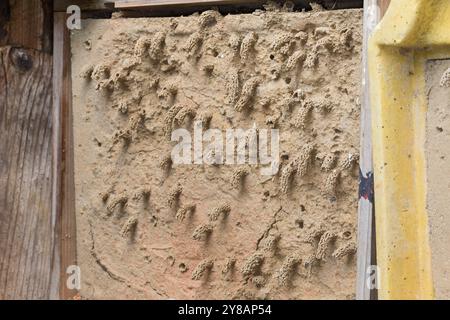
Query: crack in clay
{"points": [[107, 270], [271, 225], [97, 259]]}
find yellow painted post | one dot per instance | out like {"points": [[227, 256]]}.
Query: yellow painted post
{"points": [[411, 32]]}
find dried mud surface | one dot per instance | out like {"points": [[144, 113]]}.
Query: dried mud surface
{"points": [[437, 142], [147, 229]]}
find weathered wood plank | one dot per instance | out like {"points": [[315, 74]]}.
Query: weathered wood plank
{"points": [[108, 5], [340, 4], [26, 221], [27, 24], [61, 5], [64, 185], [5, 14], [147, 4], [165, 3]]}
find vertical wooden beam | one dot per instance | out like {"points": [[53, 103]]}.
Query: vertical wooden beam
{"points": [[26, 221], [27, 225], [64, 185]]}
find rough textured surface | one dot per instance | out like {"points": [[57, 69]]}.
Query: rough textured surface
{"points": [[123, 116], [438, 171], [27, 235]]}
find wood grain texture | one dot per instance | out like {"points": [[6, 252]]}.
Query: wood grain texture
{"points": [[64, 184], [5, 15], [26, 23], [61, 5], [165, 3], [26, 221], [95, 5], [137, 4], [340, 4]]}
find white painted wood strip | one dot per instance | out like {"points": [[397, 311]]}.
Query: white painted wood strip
{"points": [[366, 207]]}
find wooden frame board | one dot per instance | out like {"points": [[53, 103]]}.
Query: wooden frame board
{"points": [[27, 221], [58, 188]]}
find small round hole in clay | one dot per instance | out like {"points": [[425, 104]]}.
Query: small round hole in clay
{"points": [[347, 235], [182, 267]]}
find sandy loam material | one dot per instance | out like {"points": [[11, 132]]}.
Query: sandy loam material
{"points": [[151, 230], [437, 156]]}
